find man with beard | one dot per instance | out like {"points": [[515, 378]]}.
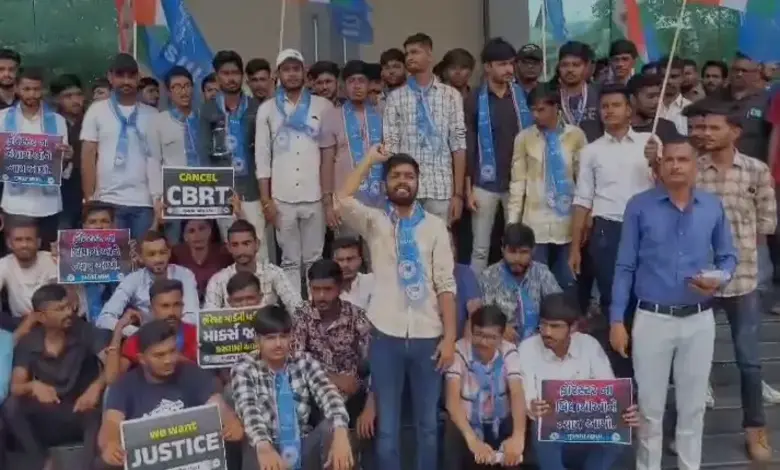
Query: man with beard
{"points": [[242, 244], [57, 383], [690, 88], [622, 59], [128, 172], [288, 166], [348, 131], [31, 116], [258, 78], [163, 383], [413, 263], [673, 330], [458, 68], [357, 287], [149, 89], [579, 99], [209, 87], [226, 138], [10, 61], [529, 66], [645, 93], [673, 101], [713, 76], [324, 76], [517, 283], [133, 290], [393, 69], [424, 119], [68, 93]]}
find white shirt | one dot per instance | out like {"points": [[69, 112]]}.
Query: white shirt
{"points": [[32, 201], [611, 173], [673, 113], [584, 360], [140, 178], [22, 283], [291, 159], [359, 293], [170, 136], [274, 285]]}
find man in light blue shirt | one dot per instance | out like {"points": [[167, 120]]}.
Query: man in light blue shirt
{"points": [[133, 291]]}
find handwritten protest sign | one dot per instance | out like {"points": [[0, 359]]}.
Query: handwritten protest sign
{"points": [[224, 335], [189, 439], [586, 411], [31, 159], [86, 256], [197, 193]]}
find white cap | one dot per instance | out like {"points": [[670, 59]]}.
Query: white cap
{"points": [[288, 54]]}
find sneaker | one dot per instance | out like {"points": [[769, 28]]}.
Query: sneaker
{"points": [[757, 444], [710, 401], [771, 396]]}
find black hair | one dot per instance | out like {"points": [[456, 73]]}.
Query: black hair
{"points": [[100, 83], [272, 320], [146, 82], [717, 108], [20, 221], [497, 50], [322, 67], [241, 280], [177, 71], [576, 49], [124, 63], [639, 82], [10, 54], [675, 63], [488, 316], [438, 69], [459, 57], [559, 307], [325, 268], [719, 64], [518, 235], [393, 54], [397, 160], [153, 333], [64, 82], [353, 67], [648, 67], [676, 139], [91, 207], [257, 65], [689, 63], [419, 38], [223, 58], [373, 72], [739, 55], [241, 226], [615, 89], [164, 286], [152, 236], [694, 110], [623, 46], [48, 293], [345, 242], [210, 78], [545, 94], [30, 73]]}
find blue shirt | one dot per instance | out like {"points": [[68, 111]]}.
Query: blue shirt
{"points": [[468, 290], [133, 292], [661, 247], [6, 362]]}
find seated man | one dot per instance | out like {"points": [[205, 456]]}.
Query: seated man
{"points": [[243, 291], [275, 389], [469, 296], [133, 291], [559, 352], [517, 283], [484, 395], [57, 384], [97, 216], [243, 244], [336, 333], [162, 384], [357, 287]]}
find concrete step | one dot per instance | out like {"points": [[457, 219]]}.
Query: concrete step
{"points": [[768, 331], [727, 452], [727, 373], [766, 351]]}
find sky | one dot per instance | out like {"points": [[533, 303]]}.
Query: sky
{"points": [[573, 10]]}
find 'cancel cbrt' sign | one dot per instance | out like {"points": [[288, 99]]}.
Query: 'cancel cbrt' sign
{"points": [[197, 193]]}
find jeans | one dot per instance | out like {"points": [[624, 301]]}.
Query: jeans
{"points": [[556, 257], [482, 224], [765, 276], [137, 219], [553, 455], [392, 360], [744, 316], [301, 234]]}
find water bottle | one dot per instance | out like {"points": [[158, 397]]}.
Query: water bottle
{"points": [[499, 458]]}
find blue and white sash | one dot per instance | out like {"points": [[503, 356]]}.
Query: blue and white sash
{"points": [[287, 419], [489, 397], [298, 121], [361, 135], [236, 137], [426, 126], [411, 272], [190, 124], [558, 188], [527, 313], [11, 125], [126, 123]]}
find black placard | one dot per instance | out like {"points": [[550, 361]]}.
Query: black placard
{"points": [[197, 193]]}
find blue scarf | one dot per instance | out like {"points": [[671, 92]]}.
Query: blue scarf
{"points": [[298, 121], [487, 154], [411, 273], [190, 135], [236, 137], [126, 123], [526, 314], [426, 127], [490, 380], [11, 125], [97, 295], [287, 416], [180, 340], [354, 129], [559, 190]]}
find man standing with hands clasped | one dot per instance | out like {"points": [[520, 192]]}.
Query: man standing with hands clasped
{"points": [[676, 250]]}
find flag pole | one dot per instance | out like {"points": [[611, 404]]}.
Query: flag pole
{"points": [[281, 25], [544, 39], [135, 39], [668, 70]]}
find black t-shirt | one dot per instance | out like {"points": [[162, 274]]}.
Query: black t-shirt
{"points": [[665, 131], [137, 397]]}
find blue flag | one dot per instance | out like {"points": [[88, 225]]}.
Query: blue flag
{"points": [[351, 20], [556, 20], [759, 36]]}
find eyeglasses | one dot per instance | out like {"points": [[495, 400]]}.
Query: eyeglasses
{"points": [[181, 87]]}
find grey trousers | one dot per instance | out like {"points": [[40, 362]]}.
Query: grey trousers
{"points": [[482, 224], [437, 207], [301, 235], [314, 449]]}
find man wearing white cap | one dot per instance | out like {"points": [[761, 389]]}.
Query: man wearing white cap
{"points": [[288, 166]]}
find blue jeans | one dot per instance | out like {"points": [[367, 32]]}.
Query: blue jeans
{"points": [[744, 316], [556, 257], [553, 455], [765, 276], [137, 219], [392, 360]]}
